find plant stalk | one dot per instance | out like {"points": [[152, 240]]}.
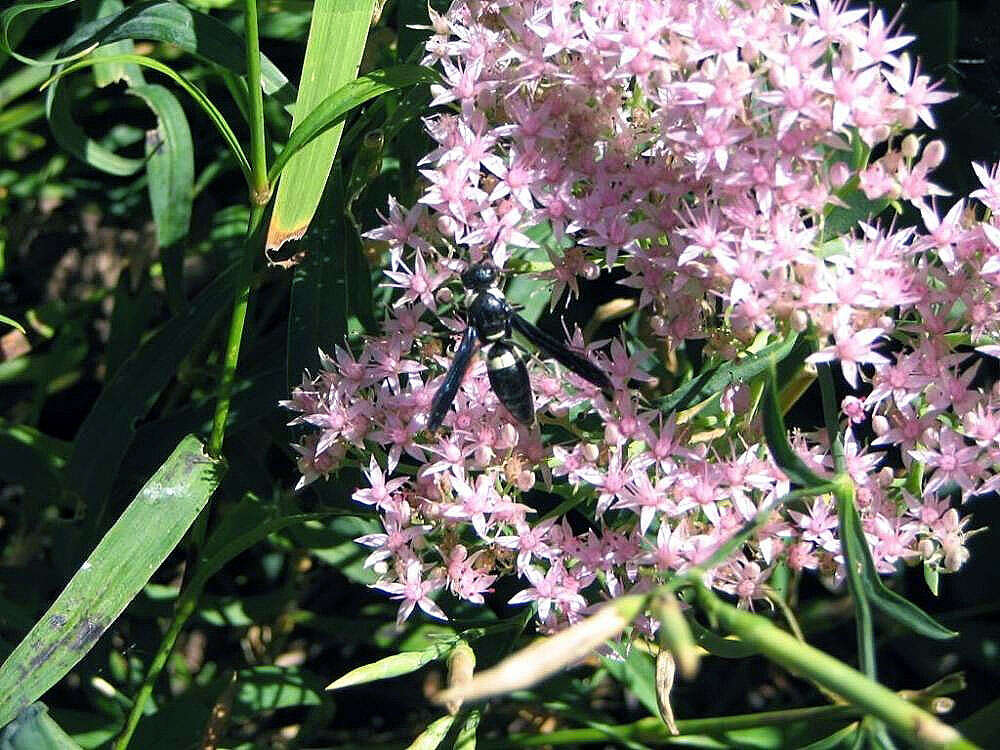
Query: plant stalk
{"points": [[186, 606], [902, 717], [260, 194]]}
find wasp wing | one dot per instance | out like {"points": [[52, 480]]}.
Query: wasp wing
{"points": [[453, 379], [552, 348]]}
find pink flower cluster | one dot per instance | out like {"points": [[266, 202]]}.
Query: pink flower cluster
{"points": [[704, 147]]}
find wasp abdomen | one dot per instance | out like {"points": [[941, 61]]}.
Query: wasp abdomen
{"points": [[509, 378]]}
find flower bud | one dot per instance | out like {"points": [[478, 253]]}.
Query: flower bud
{"points": [[446, 225], [444, 296], [590, 271], [880, 424], [525, 480], [933, 154], [926, 548], [590, 452], [910, 146], [799, 320]]}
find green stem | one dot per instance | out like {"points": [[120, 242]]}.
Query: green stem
{"points": [[901, 716], [186, 606], [258, 149], [260, 194], [652, 730], [240, 302], [844, 494]]}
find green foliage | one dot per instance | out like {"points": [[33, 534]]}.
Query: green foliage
{"points": [[205, 605]]}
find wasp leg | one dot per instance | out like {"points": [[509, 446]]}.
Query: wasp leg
{"points": [[554, 349], [509, 378], [453, 379]]}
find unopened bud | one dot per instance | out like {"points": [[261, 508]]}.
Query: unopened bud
{"points": [[880, 425], [590, 271], [799, 320], [590, 452], [910, 146], [525, 480], [446, 225], [933, 154], [444, 296]]}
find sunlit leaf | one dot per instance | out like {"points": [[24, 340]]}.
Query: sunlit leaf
{"points": [[117, 569]]}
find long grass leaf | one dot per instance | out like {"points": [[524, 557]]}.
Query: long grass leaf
{"points": [[337, 35], [112, 575], [197, 94]]}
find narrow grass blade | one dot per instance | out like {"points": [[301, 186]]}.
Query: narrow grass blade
{"points": [[217, 118], [105, 434], [888, 602], [337, 37], [115, 572], [194, 32], [170, 172], [390, 666], [7, 19], [332, 111], [108, 73]]}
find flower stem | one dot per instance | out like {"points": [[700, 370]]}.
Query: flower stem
{"points": [[260, 194], [258, 149], [902, 717], [186, 606], [651, 730]]}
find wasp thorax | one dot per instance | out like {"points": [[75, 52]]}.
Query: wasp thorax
{"points": [[480, 275]]}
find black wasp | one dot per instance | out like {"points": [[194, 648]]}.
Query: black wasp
{"points": [[490, 320]]}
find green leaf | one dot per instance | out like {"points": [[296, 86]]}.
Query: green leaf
{"points": [[106, 433], [337, 35], [636, 671], [391, 666], [108, 73], [72, 138], [320, 300], [431, 737], [714, 379], [245, 525], [112, 575], [173, 23], [777, 437], [24, 462], [890, 603], [7, 19], [841, 220], [727, 648], [87, 153], [267, 688], [170, 181], [332, 110], [12, 323], [34, 729]]}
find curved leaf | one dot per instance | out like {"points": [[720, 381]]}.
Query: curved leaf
{"points": [[7, 19], [173, 23], [170, 173], [332, 110], [713, 380], [69, 135], [112, 575], [337, 33], [890, 603], [777, 437], [202, 100]]}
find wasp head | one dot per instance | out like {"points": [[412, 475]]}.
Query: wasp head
{"points": [[480, 276]]}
